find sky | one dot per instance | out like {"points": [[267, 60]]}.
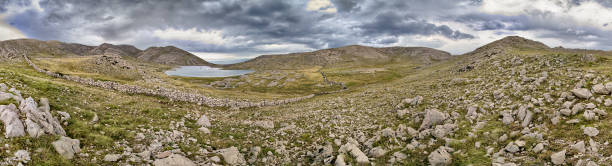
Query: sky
{"points": [[238, 29]]}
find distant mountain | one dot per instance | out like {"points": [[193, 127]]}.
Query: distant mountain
{"points": [[171, 55], [163, 55], [515, 42], [349, 56]]}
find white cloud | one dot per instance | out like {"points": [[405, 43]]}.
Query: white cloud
{"points": [[197, 35], [212, 56], [321, 6], [587, 13], [8, 32], [284, 48]]}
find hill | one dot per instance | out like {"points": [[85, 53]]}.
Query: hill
{"points": [[169, 55], [354, 55]]}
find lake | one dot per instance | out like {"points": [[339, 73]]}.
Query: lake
{"points": [[205, 71]]}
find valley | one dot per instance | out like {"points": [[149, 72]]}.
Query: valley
{"points": [[514, 101]]}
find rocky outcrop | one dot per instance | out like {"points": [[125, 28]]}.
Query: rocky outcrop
{"points": [[13, 126]]}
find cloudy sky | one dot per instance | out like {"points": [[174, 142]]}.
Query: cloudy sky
{"points": [[232, 29]]}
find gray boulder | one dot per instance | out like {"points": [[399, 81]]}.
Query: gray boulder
{"points": [[591, 131], [13, 126], [440, 157], [600, 89], [351, 148], [112, 157], [232, 156], [174, 160], [558, 158], [67, 147], [582, 93], [432, 117], [41, 116]]}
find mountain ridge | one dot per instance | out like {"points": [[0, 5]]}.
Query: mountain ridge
{"points": [[170, 55]]}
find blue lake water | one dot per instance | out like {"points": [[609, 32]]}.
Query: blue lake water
{"points": [[205, 71]]}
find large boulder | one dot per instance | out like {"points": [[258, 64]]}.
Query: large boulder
{"points": [[558, 158], [609, 86], [591, 131], [439, 157], [582, 93], [67, 147], [600, 89], [432, 117], [232, 156], [351, 148], [174, 160], [13, 126]]}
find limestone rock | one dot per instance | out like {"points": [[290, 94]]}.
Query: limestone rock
{"points": [[600, 89], [41, 116], [558, 158], [582, 93], [203, 121], [432, 117], [174, 160], [13, 127], [355, 152], [538, 148], [580, 147], [67, 147], [264, 124], [377, 152], [22, 156], [609, 86], [232, 156], [340, 160], [112, 157], [591, 131], [439, 157]]}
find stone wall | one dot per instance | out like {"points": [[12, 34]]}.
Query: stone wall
{"points": [[171, 94]]}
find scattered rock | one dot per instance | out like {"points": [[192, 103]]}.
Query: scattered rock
{"points": [[174, 160], [264, 124], [591, 131], [13, 126], [203, 121], [439, 157], [112, 157], [377, 152], [582, 93], [538, 148], [22, 156], [232, 156], [600, 89], [204, 130], [558, 158], [432, 117], [351, 148], [67, 147], [580, 147]]}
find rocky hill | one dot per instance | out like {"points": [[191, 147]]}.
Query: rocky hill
{"points": [[353, 55], [171, 55], [163, 55]]}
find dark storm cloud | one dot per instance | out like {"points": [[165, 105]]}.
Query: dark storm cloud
{"points": [[255, 23], [394, 24]]}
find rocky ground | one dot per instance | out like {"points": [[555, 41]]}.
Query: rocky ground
{"points": [[497, 107]]}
